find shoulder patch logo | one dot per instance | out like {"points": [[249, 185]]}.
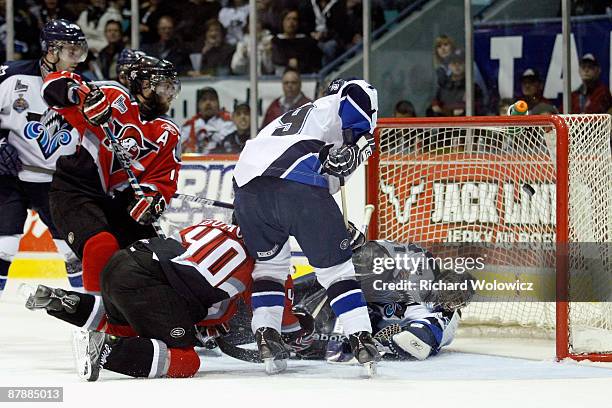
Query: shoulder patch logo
{"points": [[169, 128], [20, 104], [19, 87], [119, 104]]}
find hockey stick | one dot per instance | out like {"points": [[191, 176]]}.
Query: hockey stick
{"points": [[125, 160], [205, 201], [367, 214], [343, 199], [250, 356]]}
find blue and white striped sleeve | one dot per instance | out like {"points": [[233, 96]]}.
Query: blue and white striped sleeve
{"points": [[358, 108]]}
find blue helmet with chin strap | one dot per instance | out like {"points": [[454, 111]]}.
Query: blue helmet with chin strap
{"points": [[61, 31]]}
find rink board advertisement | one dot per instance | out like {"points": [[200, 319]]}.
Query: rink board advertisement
{"points": [[201, 176], [447, 200]]}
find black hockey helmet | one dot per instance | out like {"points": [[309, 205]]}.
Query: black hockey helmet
{"points": [[156, 74], [160, 74], [57, 33]]}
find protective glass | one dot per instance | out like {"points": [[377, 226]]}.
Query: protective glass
{"points": [[72, 52], [168, 88]]}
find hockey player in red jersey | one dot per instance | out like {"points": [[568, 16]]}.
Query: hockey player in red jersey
{"points": [[91, 200], [158, 289]]}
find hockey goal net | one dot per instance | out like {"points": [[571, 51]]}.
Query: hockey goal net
{"points": [[511, 180]]}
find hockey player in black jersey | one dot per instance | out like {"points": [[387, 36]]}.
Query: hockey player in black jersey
{"points": [[32, 138]]}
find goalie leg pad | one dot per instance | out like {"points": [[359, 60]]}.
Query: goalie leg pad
{"points": [[416, 340], [96, 253]]}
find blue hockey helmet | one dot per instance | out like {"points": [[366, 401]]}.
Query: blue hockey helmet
{"points": [[127, 57], [66, 37]]}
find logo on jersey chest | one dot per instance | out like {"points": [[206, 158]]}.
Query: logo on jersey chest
{"points": [[133, 142], [51, 131]]}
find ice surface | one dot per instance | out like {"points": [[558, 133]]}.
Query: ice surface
{"points": [[35, 350]]}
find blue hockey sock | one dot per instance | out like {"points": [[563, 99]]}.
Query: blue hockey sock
{"points": [[4, 268], [348, 303], [74, 271], [267, 301]]}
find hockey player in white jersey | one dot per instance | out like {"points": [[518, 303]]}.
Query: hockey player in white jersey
{"points": [[32, 138], [284, 180]]}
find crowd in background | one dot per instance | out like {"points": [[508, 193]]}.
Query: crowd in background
{"points": [[294, 37]]}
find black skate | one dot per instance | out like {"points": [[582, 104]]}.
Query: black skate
{"points": [[91, 348], [52, 299], [272, 350], [364, 350]]}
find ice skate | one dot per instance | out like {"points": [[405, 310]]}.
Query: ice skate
{"points": [[272, 350], [91, 348], [365, 351], [52, 299]]}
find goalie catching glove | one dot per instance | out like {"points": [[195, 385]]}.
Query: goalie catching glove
{"points": [[146, 210], [342, 162]]}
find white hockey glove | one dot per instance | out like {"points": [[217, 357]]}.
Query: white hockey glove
{"points": [[343, 161]]}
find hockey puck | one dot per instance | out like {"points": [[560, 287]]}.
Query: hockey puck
{"points": [[528, 189]]}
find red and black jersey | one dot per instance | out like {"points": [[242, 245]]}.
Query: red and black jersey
{"points": [[154, 145], [211, 269]]}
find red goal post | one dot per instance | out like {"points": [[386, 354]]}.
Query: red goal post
{"points": [[421, 162]]}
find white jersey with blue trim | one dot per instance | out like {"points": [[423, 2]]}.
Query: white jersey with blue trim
{"points": [[39, 134], [289, 146]]}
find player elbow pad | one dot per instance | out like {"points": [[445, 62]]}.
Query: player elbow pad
{"points": [[61, 92]]}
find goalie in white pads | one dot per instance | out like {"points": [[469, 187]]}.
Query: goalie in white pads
{"points": [[407, 323], [284, 178]]}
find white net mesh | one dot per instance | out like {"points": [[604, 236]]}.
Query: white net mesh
{"points": [[497, 183]]}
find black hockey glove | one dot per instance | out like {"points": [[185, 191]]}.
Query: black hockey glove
{"points": [[10, 164], [356, 236], [146, 210], [301, 339], [343, 161], [96, 109]]}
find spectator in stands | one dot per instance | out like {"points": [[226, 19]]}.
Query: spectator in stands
{"points": [[49, 10], [216, 54], [593, 96], [240, 59], [192, 15], [269, 13], [150, 13], [450, 96], [354, 20], [169, 46], [209, 127], [235, 141], [93, 22], [444, 46], [234, 19], [325, 21], [26, 33], [107, 57], [404, 109], [291, 49], [292, 96], [532, 89]]}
